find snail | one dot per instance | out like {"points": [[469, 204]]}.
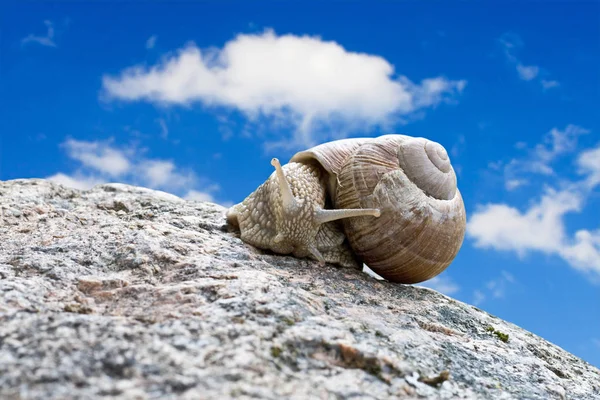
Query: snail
{"points": [[391, 202]]}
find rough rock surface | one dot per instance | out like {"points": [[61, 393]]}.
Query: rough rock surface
{"points": [[126, 292]]}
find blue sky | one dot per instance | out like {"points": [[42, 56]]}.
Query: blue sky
{"points": [[195, 99]]}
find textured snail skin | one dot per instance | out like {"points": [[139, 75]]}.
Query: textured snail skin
{"points": [[408, 183], [264, 221]]}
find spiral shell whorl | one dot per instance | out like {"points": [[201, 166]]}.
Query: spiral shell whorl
{"points": [[427, 165], [422, 222]]}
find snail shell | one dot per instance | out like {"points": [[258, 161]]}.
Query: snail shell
{"points": [[411, 181], [407, 183]]}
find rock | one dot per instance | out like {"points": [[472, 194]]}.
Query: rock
{"points": [[126, 292]]}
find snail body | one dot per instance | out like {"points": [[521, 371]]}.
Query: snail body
{"points": [[399, 209], [286, 215]]}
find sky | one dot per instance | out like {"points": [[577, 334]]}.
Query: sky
{"points": [[195, 98]]}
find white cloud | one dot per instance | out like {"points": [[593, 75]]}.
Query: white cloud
{"points": [[442, 284], [549, 84], [527, 72], [478, 297], [47, 40], [304, 81], [151, 42], [511, 44], [495, 165], [195, 195], [495, 288], [102, 162], [163, 174], [164, 129], [508, 277], [539, 159], [541, 227], [98, 156], [584, 251], [78, 181], [512, 184], [589, 164], [560, 142]]}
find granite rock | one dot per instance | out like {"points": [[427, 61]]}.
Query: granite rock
{"points": [[125, 292]]}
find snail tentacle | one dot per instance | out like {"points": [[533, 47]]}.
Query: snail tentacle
{"points": [[323, 216], [287, 198]]}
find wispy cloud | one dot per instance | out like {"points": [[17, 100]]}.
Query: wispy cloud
{"points": [[512, 184], [163, 174], [301, 82], [98, 156], [164, 129], [151, 42], [511, 44], [207, 194], [498, 286], [77, 180], [442, 284], [47, 40], [541, 226], [459, 146], [539, 159], [527, 72], [478, 297], [549, 84], [588, 163], [196, 195], [102, 161], [495, 288]]}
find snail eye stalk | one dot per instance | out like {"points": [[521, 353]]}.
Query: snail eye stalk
{"points": [[323, 216], [287, 197]]}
